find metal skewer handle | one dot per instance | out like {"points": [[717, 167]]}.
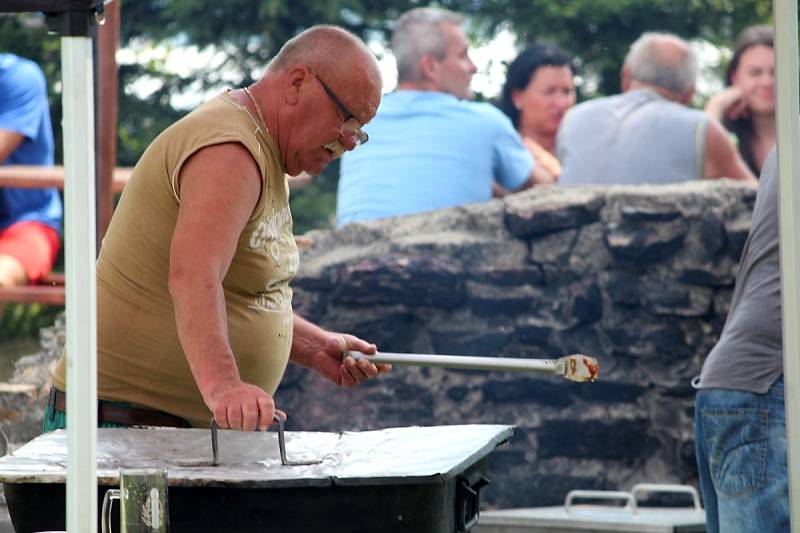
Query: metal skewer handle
{"points": [[576, 367]]}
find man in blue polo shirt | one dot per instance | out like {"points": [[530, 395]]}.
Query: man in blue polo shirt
{"points": [[429, 146], [30, 219]]}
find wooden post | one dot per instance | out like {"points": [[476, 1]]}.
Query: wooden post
{"points": [[107, 88]]}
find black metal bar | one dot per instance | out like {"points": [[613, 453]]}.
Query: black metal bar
{"points": [[68, 18], [49, 6]]}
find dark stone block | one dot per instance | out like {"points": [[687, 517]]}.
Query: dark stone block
{"points": [[526, 390], [552, 489], [748, 198], [507, 276], [392, 328], [587, 302], [737, 233], [393, 279], [490, 300], [316, 281], [506, 458], [650, 212], [457, 393], [676, 300], [683, 389], [401, 390], [553, 248], [622, 287], [587, 340], [556, 275], [687, 460], [309, 304], [646, 243], [712, 235], [607, 392], [708, 277], [668, 340], [552, 218], [479, 343], [591, 439], [533, 331]]}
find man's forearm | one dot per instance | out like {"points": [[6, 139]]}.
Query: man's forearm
{"points": [[202, 330], [307, 338]]}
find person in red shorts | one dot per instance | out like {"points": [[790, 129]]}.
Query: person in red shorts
{"points": [[30, 219]]}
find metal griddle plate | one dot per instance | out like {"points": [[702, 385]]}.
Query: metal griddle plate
{"points": [[251, 460]]}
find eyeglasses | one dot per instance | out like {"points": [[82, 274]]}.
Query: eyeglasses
{"points": [[350, 126]]}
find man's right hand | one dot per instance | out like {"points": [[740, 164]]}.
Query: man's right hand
{"points": [[241, 406]]}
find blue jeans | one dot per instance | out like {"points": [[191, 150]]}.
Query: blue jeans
{"points": [[740, 439]]}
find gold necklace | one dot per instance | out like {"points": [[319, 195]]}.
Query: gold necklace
{"points": [[258, 109]]}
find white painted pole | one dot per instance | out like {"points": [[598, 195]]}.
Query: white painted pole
{"points": [[81, 301], [788, 122]]}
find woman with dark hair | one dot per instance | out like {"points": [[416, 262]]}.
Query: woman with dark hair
{"points": [[539, 90], [747, 106]]}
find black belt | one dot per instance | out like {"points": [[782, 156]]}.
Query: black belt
{"points": [[113, 412]]}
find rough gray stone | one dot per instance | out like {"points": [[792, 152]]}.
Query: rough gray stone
{"points": [[540, 212], [646, 243], [401, 279]]}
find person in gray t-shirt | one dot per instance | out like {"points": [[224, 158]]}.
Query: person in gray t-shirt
{"points": [[740, 425], [648, 134]]}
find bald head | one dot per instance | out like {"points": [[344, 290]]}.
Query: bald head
{"points": [[338, 56], [663, 60]]}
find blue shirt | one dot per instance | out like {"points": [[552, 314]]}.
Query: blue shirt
{"points": [[24, 110], [429, 150]]}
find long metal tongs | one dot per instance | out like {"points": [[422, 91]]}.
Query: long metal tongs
{"points": [[280, 418], [575, 367]]}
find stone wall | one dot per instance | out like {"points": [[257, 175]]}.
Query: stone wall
{"points": [[640, 277]]}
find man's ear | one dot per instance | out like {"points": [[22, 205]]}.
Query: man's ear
{"points": [[429, 67], [295, 78], [686, 96], [626, 78]]}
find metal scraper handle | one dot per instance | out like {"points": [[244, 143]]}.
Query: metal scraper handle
{"points": [[575, 367], [280, 418]]}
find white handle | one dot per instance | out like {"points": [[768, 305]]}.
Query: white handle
{"points": [[111, 494], [668, 488], [630, 502], [459, 361]]}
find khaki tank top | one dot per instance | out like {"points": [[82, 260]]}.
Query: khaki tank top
{"points": [[140, 359]]}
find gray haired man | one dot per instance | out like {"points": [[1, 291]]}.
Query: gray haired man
{"points": [[431, 146], [648, 134]]}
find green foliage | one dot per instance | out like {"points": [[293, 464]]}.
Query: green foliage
{"points": [[142, 118], [313, 207], [25, 320], [599, 32]]}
